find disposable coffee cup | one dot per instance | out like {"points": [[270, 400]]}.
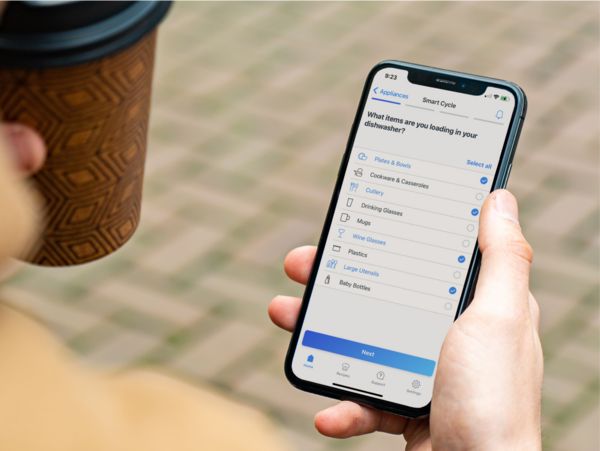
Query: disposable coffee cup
{"points": [[80, 73]]}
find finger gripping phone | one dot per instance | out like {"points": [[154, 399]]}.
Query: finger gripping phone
{"points": [[398, 257]]}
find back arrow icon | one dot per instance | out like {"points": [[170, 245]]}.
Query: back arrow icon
{"points": [[375, 89]]}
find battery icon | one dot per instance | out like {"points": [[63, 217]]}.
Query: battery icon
{"points": [[504, 98]]}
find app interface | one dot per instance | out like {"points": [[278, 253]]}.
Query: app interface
{"points": [[402, 238]]}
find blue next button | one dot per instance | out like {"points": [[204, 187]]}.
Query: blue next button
{"points": [[368, 353]]}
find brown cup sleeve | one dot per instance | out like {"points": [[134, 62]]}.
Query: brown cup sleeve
{"points": [[94, 120]]}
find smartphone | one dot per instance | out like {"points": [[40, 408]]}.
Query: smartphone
{"points": [[398, 257]]}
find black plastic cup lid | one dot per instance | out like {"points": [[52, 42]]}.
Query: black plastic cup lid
{"points": [[41, 34]]}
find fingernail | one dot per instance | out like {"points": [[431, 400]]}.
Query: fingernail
{"points": [[506, 205], [18, 149]]}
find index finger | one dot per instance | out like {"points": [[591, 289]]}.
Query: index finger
{"points": [[348, 419], [299, 262]]}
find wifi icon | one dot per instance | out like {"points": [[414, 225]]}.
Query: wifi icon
{"points": [[496, 96]]}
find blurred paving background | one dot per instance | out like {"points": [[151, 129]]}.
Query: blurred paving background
{"points": [[252, 107]]}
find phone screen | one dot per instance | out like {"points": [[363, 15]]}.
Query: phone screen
{"points": [[402, 237]]}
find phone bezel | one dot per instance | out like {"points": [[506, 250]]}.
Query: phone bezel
{"points": [[425, 75]]}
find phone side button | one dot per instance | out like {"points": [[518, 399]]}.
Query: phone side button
{"points": [[505, 181]]}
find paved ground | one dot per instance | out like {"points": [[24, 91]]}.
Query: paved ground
{"points": [[252, 107]]}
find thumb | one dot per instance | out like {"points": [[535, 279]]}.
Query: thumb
{"points": [[503, 283], [25, 147]]}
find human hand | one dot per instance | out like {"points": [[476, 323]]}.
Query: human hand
{"points": [[487, 390], [22, 152]]}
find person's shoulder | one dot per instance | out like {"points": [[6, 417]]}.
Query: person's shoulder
{"points": [[193, 416], [47, 394]]}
